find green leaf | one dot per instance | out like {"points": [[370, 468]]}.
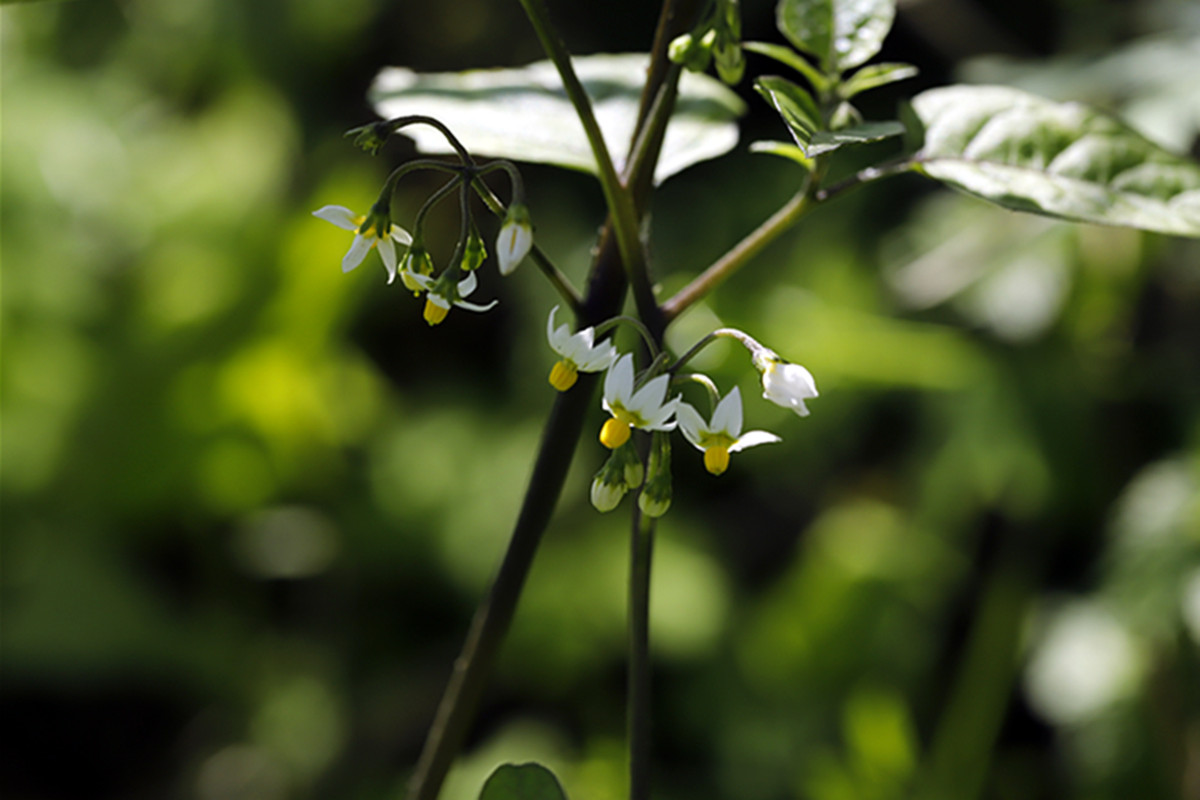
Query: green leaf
{"points": [[873, 76], [789, 57], [522, 782], [828, 141], [840, 33], [784, 150], [1058, 159], [524, 114], [794, 104]]}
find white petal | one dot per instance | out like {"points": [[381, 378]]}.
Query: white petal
{"points": [[341, 216], [556, 336], [387, 252], [618, 383], [691, 423], [426, 281], [512, 245], [728, 415], [753, 439], [400, 235], [467, 284], [649, 398], [476, 306], [357, 252], [656, 419], [597, 358]]}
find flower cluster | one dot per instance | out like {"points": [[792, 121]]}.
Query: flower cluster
{"points": [[641, 402], [376, 231]]}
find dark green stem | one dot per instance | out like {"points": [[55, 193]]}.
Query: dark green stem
{"points": [[606, 289], [638, 718], [495, 613]]}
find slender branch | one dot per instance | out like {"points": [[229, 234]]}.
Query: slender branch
{"points": [[495, 613], [638, 691], [605, 294], [558, 279], [620, 202], [865, 176], [800, 204]]}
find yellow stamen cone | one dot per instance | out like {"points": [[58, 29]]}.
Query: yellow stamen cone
{"points": [[434, 313], [716, 459], [614, 433], [563, 375]]}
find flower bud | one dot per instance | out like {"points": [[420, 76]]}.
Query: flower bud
{"points": [[655, 497], [515, 239], [608, 487]]}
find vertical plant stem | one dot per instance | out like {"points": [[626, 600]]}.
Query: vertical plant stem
{"points": [[605, 293], [638, 718], [620, 202], [495, 613]]}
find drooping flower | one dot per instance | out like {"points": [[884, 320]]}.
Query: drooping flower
{"points": [[578, 351], [370, 230], [443, 292], [647, 408], [784, 383], [723, 434], [515, 238]]}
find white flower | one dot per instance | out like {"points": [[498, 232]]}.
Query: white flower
{"points": [[721, 436], [443, 293], [785, 384], [579, 353], [643, 409], [370, 230], [515, 238]]}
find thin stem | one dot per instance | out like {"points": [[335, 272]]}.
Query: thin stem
{"points": [[495, 613], [737, 257], [396, 124], [636, 324], [865, 176], [605, 294], [638, 691], [618, 198], [433, 199], [558, 279], [748, 341]]}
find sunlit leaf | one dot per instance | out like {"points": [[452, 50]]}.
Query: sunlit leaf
{"points": [[524, 114], [794, 104], [828, 141], [873, 76], [522, 782], [788, 57], [783, 150], [1058, 159], [841, 33]]}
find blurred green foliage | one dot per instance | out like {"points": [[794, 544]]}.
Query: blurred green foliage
{"points": [[249, 502]]}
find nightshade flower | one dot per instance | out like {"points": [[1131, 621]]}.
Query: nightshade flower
{"points": [[443, 292], [784, 383], [515, 238], [647, 408], [578, 352], [723, 434], [370, 230]]}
